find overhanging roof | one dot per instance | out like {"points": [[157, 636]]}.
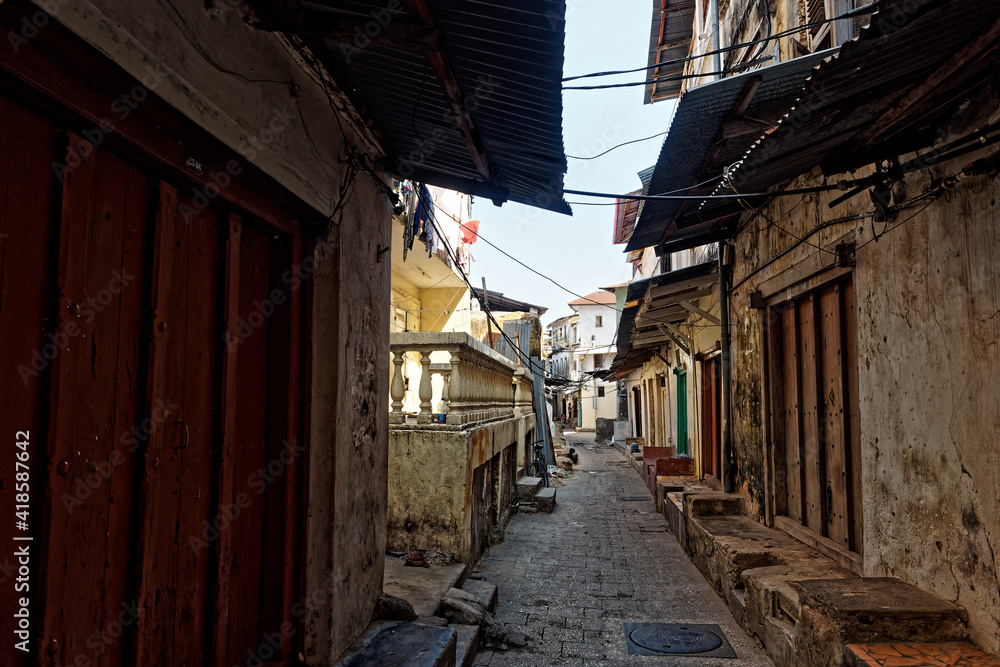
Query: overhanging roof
{"points": [[885, 94], [502, 304], [669, 40], [468, 95], [713, 126], [653, 304]]}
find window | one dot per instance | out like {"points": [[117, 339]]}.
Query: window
{"points": [[599, 321], [600, 392]]}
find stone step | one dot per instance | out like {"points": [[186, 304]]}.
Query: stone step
{"points": [[864, 610], [546, 500], [395, 644], [483, 590], [468, 644], [917, 655], [526, 488]]}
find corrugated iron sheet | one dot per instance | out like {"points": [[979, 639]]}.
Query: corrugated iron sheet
{"points": [[507, 58], [906, 41], [518, 331], [694, 128], [669, 39]]}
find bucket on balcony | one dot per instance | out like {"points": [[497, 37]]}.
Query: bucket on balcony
{"points": [[441, 416]]}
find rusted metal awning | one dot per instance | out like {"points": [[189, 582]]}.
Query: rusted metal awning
{"points": [[713, 127], [655, 308], [885, 95], [669, 40], [468, 96]]}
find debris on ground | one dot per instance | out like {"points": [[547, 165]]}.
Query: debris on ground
{"points": [[416, 559], [392, 608]]}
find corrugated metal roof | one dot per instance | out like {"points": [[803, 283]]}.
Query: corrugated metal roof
{"points": [[686, 279], [502, 304], [507, 58], [669, 39], [905, 43], [694, 131]]}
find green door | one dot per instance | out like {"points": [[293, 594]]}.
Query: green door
{"points": [[682, 411]]}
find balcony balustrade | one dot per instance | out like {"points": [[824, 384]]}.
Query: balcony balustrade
{"points": [[479, 384]]}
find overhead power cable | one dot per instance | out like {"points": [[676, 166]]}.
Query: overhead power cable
{"points": [[859, 11], [626, 143]]}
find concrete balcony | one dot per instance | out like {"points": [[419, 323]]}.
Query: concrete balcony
{"points": [[452, 483]]}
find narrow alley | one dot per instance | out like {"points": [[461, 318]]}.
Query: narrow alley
{"points": [[570, 580]]}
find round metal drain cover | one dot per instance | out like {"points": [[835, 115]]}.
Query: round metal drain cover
{"points": [[676, 639]]}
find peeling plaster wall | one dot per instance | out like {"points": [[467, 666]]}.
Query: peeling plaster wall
{"points": [[436, 499], [928, 333], [348, 466]]}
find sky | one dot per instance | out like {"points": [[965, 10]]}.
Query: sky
{"points": [[577, 251]]}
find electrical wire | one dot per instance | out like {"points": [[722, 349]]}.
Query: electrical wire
{"points": [[671, 197], [859, 11], [634, 197], [676, 77], [634, 141]]}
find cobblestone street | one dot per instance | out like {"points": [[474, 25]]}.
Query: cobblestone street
{"points": [[570, 580]]}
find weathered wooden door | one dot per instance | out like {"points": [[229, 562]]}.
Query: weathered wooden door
{"points": [[812, 379], [711, 417], [151, 346]]}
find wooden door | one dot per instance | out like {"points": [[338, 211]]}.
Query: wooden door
{"points": [[711, 418], [682, 416], [812, 380], [150, 355]]}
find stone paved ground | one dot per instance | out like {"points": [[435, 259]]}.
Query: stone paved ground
{"points": [[570, 579]]}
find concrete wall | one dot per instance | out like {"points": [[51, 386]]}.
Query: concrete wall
{"points": [[604, 334], [255, 113], [928, 298], [434, 500]]}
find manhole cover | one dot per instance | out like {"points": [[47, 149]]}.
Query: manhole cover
{"points": [[706, 641], [633, 498]]}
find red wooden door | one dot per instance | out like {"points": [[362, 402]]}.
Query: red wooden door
{"points": [[150, 350]]}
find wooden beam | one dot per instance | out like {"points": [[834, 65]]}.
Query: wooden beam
{"points": [[678, 341], [678, 288], [970, 53], [704, 314], [405, 33], [453, 94], [673, 328]]}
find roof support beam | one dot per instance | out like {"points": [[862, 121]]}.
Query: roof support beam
{"points": [[453, 94], [680, 341], [969, 54], [704, 314]]}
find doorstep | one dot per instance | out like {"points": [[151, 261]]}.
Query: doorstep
{"points": [[422, 587]]}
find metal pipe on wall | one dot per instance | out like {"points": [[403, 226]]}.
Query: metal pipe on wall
{"points": [[712, 23], [728, 472]]}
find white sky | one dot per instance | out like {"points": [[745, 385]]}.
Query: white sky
{"points": [[577, 251]]}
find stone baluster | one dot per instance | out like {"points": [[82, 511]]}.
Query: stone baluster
{"points": [[396, 391], [457, 391], [425, 392]]}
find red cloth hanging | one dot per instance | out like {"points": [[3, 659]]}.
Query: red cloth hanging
{"points": [[470, 231]]}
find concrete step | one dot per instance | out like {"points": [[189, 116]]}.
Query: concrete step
{"points": [[483, 590], [394, 644], [860, 610], [917, 655], [546, 500], [422, 587], [468, 644], [526, 488]]}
